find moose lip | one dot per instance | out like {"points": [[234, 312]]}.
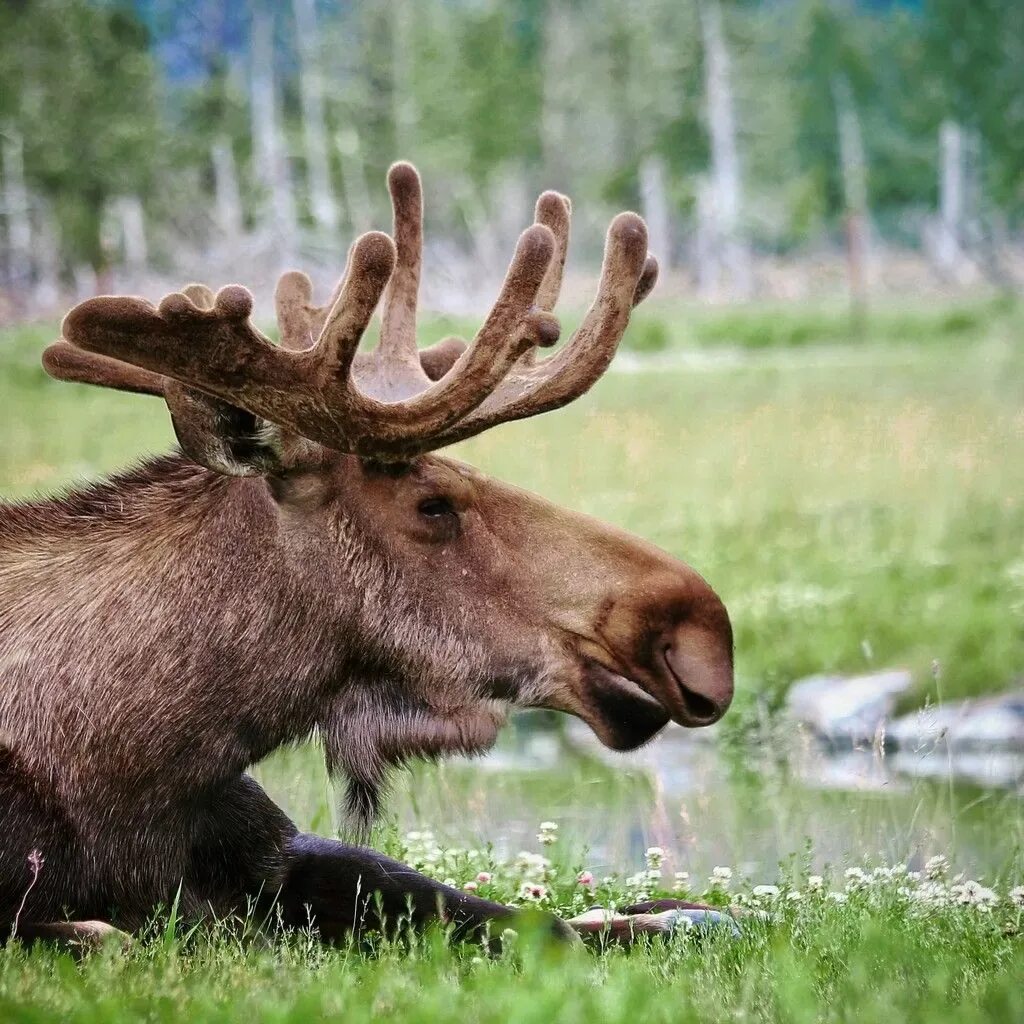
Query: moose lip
{"points": [[634, 689], [670, 696]]}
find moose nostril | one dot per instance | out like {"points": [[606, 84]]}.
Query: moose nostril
{"points": [[703, 685]]}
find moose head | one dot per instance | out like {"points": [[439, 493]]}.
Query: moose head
{"points": [[431, 598]]}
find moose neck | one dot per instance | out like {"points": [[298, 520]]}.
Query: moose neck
{"points": [[155, 621]]}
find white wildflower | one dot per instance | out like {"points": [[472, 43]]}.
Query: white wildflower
{"points": [[838, 897], [974, 894], [815, 883], [1016, 895], [856, 879], [681, 881], [936, 867], [548, 833], [721, 877], [533, 865], [765, 891], [794, 895], [654, 856]]}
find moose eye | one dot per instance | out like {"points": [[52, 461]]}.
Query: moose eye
{"points": [[435, 508]]}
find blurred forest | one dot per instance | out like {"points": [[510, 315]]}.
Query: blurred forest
{"points": [[148, 143]]}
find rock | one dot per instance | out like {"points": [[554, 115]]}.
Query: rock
{"points": [[984, 725], [847, 709]]}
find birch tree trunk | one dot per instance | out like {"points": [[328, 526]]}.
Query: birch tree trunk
{"points": [[131, 227], [314, 127], [46, 294], [949, 241], [853, 167], [268, 146], [557, 88], [726, 181], [226, 194], [17, 215], [353, 180], [655, 208], [403, 95]]}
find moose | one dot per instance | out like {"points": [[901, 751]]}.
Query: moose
{"points": [[305, 566]]}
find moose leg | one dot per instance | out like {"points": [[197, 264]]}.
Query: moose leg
{"points": [[78, 936], [342, 889], [246, 854]]}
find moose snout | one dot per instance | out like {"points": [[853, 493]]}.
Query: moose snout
{"points": [[694, 665]]}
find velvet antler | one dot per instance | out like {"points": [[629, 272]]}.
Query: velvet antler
{"points": [[203, 355]]}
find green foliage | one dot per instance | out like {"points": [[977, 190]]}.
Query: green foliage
{"points": [[78, 82]]}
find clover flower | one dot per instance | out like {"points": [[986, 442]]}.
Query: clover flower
{"points": [[654, 856], [586, 879], [548, 833], [974, 894], [484, 878], [815, 883], [721, 877], [1016, 895], [470, 886], [533, 865], [532, 891], [681, 881], [936, 867]]}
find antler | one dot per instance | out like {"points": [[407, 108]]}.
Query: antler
{"points": [[204, 356]]}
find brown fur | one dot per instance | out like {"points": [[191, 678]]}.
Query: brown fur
{"points": [[165, 630]]}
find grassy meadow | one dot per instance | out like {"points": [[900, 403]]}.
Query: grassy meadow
{"points": [[858, 501]]}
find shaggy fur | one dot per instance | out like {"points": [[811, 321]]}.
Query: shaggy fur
{"points": [[305, 570]]}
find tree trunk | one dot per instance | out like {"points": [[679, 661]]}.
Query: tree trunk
{"points": [[46, 294], [269, 153], [314, 128], [227, 196], [732, 250], [853, 167], [557, 93], [353, 180], [655, 208], [19, 223], [949, 253], [403, 93]]}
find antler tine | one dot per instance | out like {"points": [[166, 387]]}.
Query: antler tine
{"points": [[398, 320], [292, 303], [513, 326], [65, 362], [199, 295], [627, 271], [554, 210]]}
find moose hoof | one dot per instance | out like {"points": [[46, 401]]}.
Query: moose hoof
{"points": [[659, 918]]}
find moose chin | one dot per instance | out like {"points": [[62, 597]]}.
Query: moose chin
{"points": [[307, 566]]}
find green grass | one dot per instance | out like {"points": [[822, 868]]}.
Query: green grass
{"points": [[881, 955], [858, 505]]}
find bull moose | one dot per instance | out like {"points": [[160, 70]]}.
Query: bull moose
{"points": [[306, 565]]}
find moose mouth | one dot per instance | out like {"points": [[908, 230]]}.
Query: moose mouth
{"points": [[621, 712], [626, 713]]}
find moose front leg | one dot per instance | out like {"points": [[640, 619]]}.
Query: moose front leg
{"points": [[341, 890]]}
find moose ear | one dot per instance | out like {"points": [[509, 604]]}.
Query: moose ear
{"points": [[221, 436]]}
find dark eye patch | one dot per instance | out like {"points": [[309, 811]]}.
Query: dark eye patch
{"points": [[435, 508]]}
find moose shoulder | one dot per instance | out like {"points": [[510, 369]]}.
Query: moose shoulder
{"points": [[308, 565]]}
